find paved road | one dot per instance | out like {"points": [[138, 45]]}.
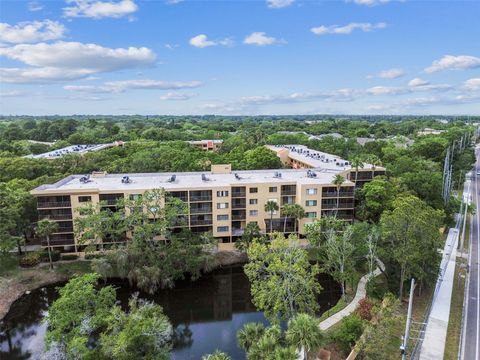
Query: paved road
{"points": [[471, 332]]}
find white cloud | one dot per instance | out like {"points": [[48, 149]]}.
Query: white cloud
{"points": [[369, 2], [13, 93], [417, 82], [176, 96], [388, 74], [202, 41], [34, 6], [173, 2], [31, 31], [259, 39], [450, 62], [472, 84], [277, 4], [70, 60], [347, 29], [99, 9], [385, 90], [140, 84]]}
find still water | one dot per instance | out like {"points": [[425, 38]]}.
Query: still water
{"points": [[206, 314]]}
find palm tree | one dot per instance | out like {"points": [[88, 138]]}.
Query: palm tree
{"points": [[249, 334], [303, 330], [357, 163], [287, 211], [338, 181], [271, 206], [375, 161], [44, 229], [298, 213]]}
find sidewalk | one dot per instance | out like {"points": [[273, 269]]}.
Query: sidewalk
{"points": [[433, 345], [350, 308]]}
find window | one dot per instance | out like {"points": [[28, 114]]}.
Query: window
{"points": [[253, 190], [311, 215], [135, 196], [272, 189], [222, 228], [222, 206], [311, 191], [222, 193], [253, 213], [311, 203], [222, 217], [84, 198], [253, 201]]}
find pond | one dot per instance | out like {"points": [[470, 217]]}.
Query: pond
{"points": [[206, 314]]}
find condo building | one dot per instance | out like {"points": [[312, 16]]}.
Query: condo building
{"points": [[207, 145], [221, 201]]}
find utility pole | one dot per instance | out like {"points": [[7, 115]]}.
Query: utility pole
{"points": [[403, 347]]}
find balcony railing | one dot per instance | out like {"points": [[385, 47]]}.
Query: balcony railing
{"points": [[349, 205], [55, 217], [239, 205], [332, 194], [289, 192], [194, 198], [239, 217], [202, 210], [200, 222], [237, 194], [54, 204]]}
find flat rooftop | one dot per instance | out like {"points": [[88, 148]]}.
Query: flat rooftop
{"points": [[73, 149], [314, 158], [186, 180]]}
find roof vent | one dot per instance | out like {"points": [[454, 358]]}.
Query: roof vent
{"points": [[85, 179], [237, 176], [205, 178], [126, 180], [311, 174], [277, 174], [172, 178]]}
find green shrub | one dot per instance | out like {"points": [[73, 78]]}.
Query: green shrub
{"points": [[377, 288], [44, 255], [91, 256], [350, 330], [69, 257], [30, 259]]}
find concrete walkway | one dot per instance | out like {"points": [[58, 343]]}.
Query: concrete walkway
{"points": [[433, 345], [350, 308]]}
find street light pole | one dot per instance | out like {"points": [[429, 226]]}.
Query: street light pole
{"points": [[403, 347]]}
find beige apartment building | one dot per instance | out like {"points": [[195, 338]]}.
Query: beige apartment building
{"points": [[221, 201], [207, 145]]}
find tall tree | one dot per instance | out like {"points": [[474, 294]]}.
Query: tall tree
{"points": [[45, 228], [287, 211], [271, 207], [338, 181], [85, 323], [357, 163], [338, 252], [283, 282], [411, 234], [304, 331]]}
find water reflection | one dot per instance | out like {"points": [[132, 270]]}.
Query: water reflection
{"points": [[206, 314]]}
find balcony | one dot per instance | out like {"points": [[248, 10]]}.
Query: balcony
{"points": [[55, 217], [333, 194], [348, 205], [239, 204], [200, 222], [238, 194], [201, 210], [54, 204], [239, 217], [197, 198]]}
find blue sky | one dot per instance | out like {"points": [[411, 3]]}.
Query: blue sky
{"points": [[239, 57]]}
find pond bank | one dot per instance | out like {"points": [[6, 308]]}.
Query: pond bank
{"points": [[21, 280]]}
